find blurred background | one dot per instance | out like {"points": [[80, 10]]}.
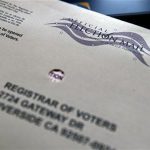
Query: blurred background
{"points": [[133, 11]]}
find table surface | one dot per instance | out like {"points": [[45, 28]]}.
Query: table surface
{"points": [[118, 7]]}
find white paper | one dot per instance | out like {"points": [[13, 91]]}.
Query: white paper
{"points": [[101, 100]]}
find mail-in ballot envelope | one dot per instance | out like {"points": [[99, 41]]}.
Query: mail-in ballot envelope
{"points": [[72, 79]]}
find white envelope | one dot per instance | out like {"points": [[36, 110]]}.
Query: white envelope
{"points": [[72, 79]]}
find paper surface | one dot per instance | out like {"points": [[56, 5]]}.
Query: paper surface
{"points": [[101, 100]]}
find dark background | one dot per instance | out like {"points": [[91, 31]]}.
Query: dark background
{"points": [[133, 11]]}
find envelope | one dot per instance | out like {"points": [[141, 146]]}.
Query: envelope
{"points": [[72, 79]]}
